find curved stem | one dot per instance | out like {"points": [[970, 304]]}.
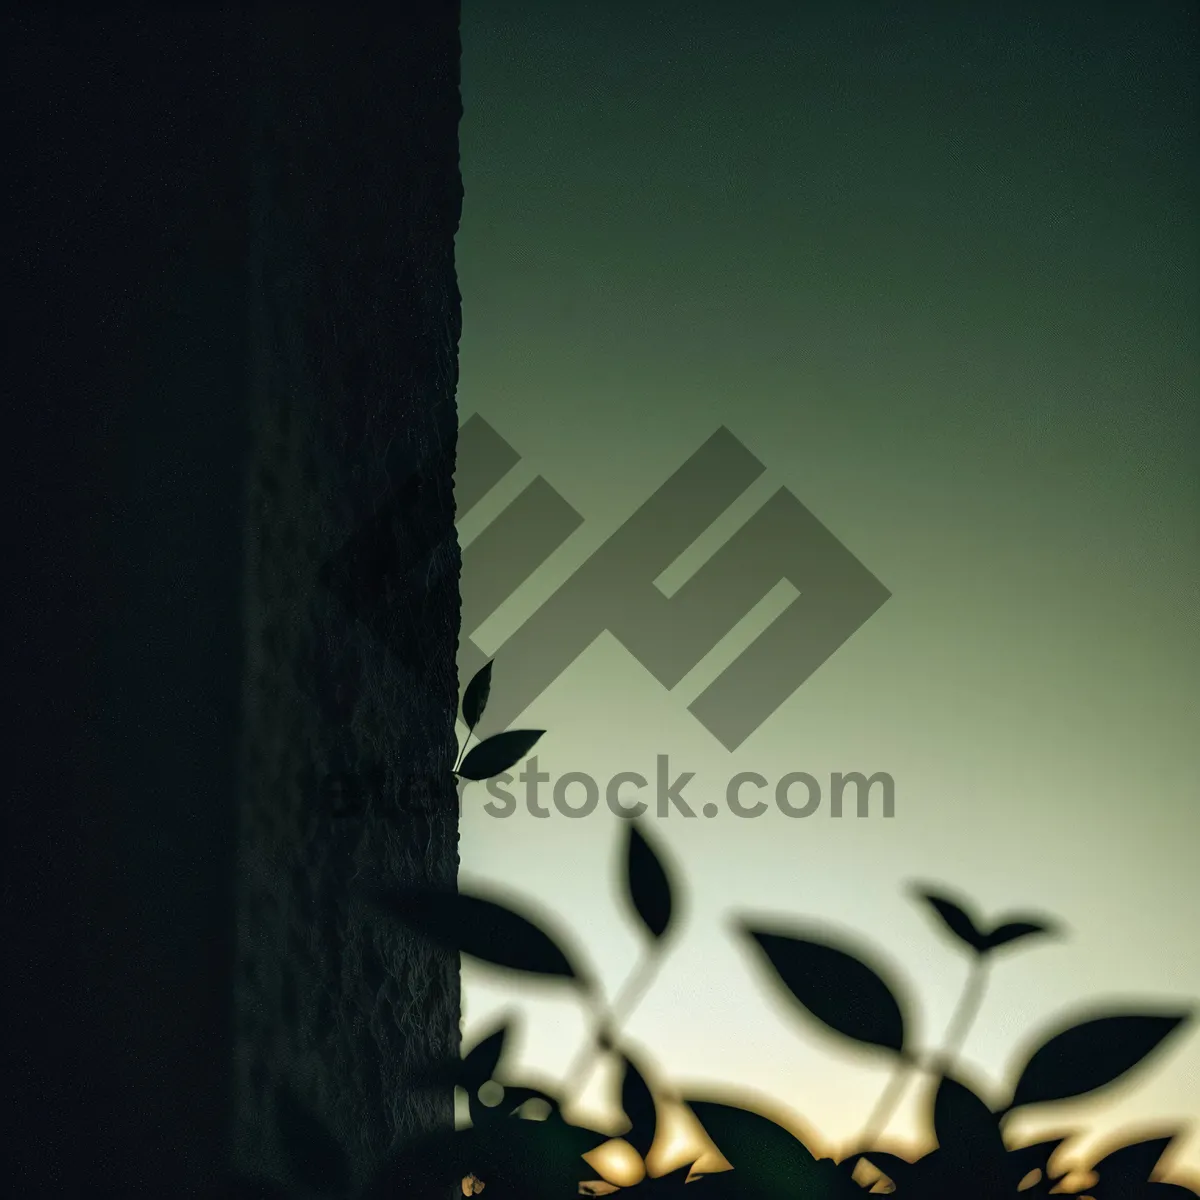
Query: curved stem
{"points": [[463, 750], [634, 988], [965, 1012], [964, 1015], [885, 1106], [607, 1022]]}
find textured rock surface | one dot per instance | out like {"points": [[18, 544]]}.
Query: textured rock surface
{"points": [[352, 570]]}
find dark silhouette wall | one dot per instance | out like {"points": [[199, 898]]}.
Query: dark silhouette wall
{"points": [[130, 351], [352, 576]]}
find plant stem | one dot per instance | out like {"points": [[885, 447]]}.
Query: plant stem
{"points": [[885, 1106], [964, 1015], [607, 1022], [463, 750], [965, 1012]]}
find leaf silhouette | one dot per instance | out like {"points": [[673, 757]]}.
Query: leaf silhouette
{"points": [[493, 756], [836, 987], [1014, 931], [671, 1184], [541, 1160], [971, 1150], [475, 698], [315, 1156], [955, 918], [647, 883], [637, 1102], [1124, 1170], [899, 1170], [515, 1097], [1036, 1158], [766, 1158], [477, 927], [966, 929], [961, 1118], [1090, 1055], [479, 1064], [511, 1099]]}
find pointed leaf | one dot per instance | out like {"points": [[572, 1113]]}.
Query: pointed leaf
{"points": [[648, 885], [1128, 1167], [477, 927], [899, 1170], [637, 1102], [971, 1147], [541, 1160], [766, 1158], [1091, 1055], [671, 1184], [493, 756], [315, 1156], [516, 1097], [954, 917], [961, 1118], [1013, 931], [479, 1064], [510, 1100], [836, 987], [475, 698], [1035, 1157]]}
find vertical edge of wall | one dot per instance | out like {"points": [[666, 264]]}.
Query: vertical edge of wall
{"points": [[352, 572]]}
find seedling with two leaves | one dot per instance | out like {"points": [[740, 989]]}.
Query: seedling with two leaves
{"points": [[520, 1145], [494, 755], [347, 794], [829, 978]]}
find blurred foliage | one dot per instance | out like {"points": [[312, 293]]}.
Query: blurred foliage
{"points": [[520, 1146]]}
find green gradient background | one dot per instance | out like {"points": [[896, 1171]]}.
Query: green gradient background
{"points": [[937, 269]]}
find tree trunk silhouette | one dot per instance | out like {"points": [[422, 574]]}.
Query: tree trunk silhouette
{"points": [[352, 564]]}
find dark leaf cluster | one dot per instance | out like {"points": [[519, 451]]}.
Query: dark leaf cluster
{"points": [[520, 1146]]}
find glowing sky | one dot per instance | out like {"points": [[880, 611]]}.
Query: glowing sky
{"points": [[938, 272]]}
